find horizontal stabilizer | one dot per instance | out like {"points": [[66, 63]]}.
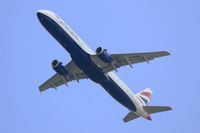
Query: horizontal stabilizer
{"points": [[156, 109], [130, 116]]}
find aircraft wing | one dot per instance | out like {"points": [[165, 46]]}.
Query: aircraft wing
{"points": [[127, 59], [57, 80]]}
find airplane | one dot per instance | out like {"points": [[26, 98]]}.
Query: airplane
{"points": [[99, 67]]}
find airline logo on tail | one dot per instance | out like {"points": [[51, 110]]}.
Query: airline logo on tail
{"points": [[145, 95]]}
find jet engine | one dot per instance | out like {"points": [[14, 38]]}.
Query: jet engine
{"points": [[59, 68], [104, 55]]}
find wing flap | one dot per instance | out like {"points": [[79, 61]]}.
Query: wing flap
{"points": [[55, 81]]}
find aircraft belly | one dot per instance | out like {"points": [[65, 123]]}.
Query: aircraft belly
{"points": [[118, 94]]}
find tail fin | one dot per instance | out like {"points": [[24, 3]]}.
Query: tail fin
{"points": [[145, 95], [156, 109]]}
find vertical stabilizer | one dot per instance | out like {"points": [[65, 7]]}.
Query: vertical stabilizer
{"points": [[145, 95]]}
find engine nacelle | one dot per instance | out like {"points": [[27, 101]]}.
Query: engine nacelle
{"points": [[104, 55], [59, 68]]}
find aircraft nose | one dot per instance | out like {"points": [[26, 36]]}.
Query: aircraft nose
{"points": [[42, 11], [41, 15]]}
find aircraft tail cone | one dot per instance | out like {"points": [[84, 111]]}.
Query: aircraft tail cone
{"points": [[149, 117]]}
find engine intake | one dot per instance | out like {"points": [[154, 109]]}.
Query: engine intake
{"points": [[59, 68], [104, 55]]}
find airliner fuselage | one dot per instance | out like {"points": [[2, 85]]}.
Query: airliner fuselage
{"points": [[81, 56]]}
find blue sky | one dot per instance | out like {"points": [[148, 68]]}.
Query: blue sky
{"points": [[26, 51]]}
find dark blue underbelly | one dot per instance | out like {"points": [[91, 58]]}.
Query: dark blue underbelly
{"points": [[118, 94]]}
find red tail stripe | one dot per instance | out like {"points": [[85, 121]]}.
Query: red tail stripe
{"points": [[147, 94]]}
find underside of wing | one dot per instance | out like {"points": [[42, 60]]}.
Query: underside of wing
{"points": [[120, 60], [133, 58], [56, 80]]}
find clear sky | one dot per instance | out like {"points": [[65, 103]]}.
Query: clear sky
{"points": [[26, 51]]}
